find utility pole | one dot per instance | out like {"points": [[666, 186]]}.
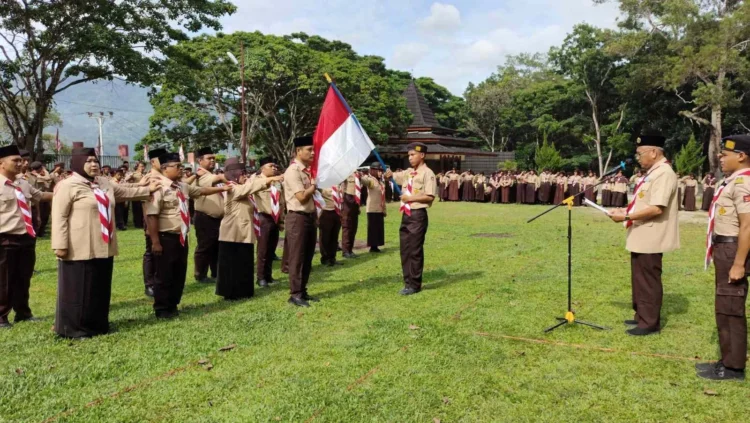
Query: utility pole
{"points": [[243, 116], [100, 119]]}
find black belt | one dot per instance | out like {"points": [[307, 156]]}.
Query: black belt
{"points": [[301, 212], [721, 239]]}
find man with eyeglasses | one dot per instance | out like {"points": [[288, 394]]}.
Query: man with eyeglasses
{"points": [[209, 211], [652, 222]]}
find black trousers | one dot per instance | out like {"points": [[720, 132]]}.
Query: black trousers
{"points": [[45, 208], [236, 267], [412, 235], [137, 214], [84, 289], [126, 208], [171, 269], [731, 321], [647, 289], [207, 251], [329, 225], [120, 215], [375, 229], [148, 265], [267, 242], [17, 259], [300, 243], [349, 223]]}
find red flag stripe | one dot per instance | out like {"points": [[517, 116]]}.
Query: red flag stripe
{"points": [[332, 116]]}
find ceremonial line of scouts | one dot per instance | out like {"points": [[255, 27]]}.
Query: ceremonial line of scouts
{"points": [[234, 211]]}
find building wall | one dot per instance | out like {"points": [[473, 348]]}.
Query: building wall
{"points": [[485, 164]]}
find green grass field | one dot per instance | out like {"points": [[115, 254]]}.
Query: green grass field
{"points": [[469, 348]]}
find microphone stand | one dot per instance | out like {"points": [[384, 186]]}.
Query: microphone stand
{"points": [[570, 317]]}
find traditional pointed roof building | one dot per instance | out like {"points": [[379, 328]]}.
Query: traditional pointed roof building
{"points": [[445, 149]]}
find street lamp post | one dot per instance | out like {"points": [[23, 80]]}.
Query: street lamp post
{"points": [[243, 117]]}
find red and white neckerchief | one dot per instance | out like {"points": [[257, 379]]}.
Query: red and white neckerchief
{"points": [[357, 188], [337, 200], [275, 195], [409, 190], [256, 215], [184, 214], [629, 223], [23, 206], [319, 202], [105, 216], [712, 216]]}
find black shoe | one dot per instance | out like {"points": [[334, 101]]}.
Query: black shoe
{"points": [[27, 319], [307, 297], [409, 291], [276, 258], [206, 280], [149, 292], [262, 283], [200, 279], [166, 314], [702, 367], [722, 373], [5, 325], [299, 302], [335, 262], [641, 331], [349, 255], [375, 250], [631, 322]]}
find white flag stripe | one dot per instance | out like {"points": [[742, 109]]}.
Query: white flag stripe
{"points": [[342, 153]]}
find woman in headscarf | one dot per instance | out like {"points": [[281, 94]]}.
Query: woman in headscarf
{"points": [[709, 183], [236, 263], [84, 239]]}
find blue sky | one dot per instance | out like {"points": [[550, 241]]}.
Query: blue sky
{"points": [[454, 42]]}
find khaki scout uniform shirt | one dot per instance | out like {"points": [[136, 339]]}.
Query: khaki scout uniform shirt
{"points": [[423, 182], [237, 223], [691, 183], [212, 205], [350, 186], [165, 204], [297, 179], [454, 177], [263, 197], [11, 220], [327, 195], [375, 203], [660, 234], [734, 200], [75, 216]]}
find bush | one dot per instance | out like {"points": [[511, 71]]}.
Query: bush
{"points": [[547, 157], [690, 159]]}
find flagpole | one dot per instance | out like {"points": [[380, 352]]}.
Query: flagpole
{"points": [[349, 110]]}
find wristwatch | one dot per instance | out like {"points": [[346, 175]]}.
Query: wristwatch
{"points": [[627, 218]]}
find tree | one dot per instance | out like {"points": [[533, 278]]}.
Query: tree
{"points": [[690, 159], [584, 60], [49, 46], [199, 100], [707, 42], [547, 157]]}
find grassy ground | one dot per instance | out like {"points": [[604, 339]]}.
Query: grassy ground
{"points": [[469, 348]]}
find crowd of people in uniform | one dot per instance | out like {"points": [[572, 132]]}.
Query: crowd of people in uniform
{"points": [[236, 210], [233, 210]]}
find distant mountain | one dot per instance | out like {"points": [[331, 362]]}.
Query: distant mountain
{"points": [[127, 125]]}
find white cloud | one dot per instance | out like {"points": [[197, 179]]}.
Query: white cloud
{"points": [[443, 18], [406, 56]]}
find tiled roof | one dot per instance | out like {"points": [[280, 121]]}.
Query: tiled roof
{"points": [[415, 101]]}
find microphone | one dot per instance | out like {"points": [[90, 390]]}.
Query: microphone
{"points": [[617, 168]]}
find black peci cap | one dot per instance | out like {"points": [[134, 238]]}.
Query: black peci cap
{"points": [[376, 166], [303, 141], [266, 160], [736, 143], [169, 158], [156, 153], [417, 146], [205, 150], [10, 150], [650, 139]]}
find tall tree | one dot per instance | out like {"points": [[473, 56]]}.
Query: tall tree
{"points": [[707, 41], [583, 58], [48, 46]]}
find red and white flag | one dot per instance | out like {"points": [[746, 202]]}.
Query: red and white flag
{"points": [[340, 142], [58, 146]]}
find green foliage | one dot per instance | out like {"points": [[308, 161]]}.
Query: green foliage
{"points": [[51, 46], [508, 165], [547, 157], [199, 100], [450, 110], [690, 159]]}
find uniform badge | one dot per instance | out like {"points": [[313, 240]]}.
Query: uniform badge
{"points": [[416, 191], [641, 195], [739, 180], [722, 211], [729, 145]]}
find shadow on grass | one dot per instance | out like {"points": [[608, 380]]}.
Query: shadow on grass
{"points": [[433, 279], [188, 312]]}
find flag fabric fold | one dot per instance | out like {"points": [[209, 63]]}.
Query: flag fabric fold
{"points": [[341, 144]]}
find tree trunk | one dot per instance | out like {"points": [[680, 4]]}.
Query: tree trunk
{"points": [[714, 142]]}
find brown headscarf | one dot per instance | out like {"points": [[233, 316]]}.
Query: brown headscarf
{"points": [[78, 161], [233, 169]]}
